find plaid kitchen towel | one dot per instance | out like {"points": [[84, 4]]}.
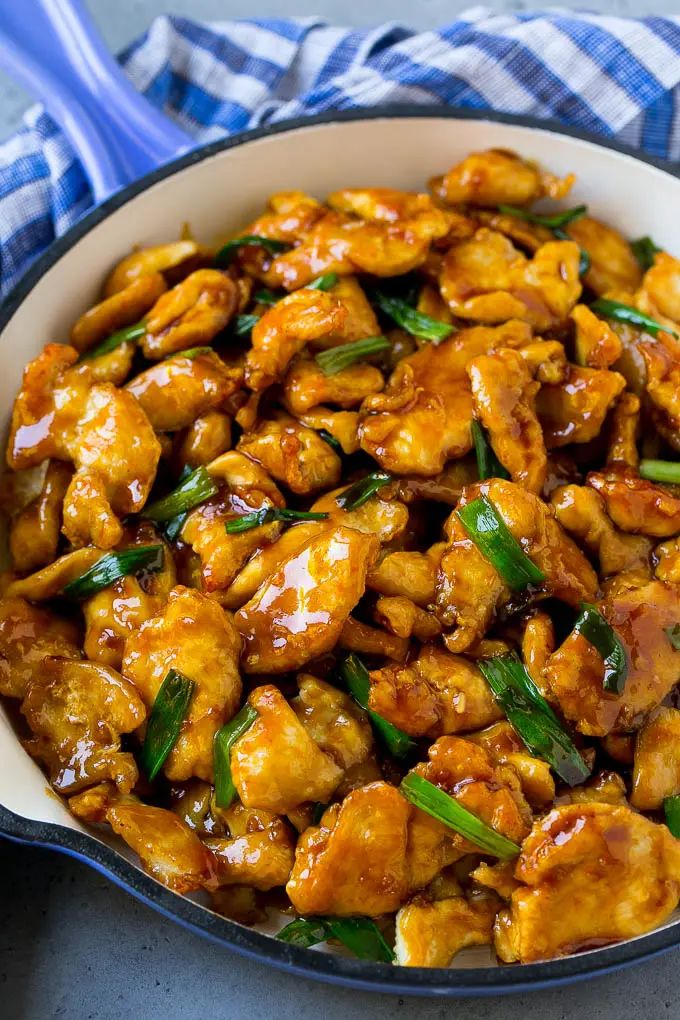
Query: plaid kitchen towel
{"points": [[619, 77]]}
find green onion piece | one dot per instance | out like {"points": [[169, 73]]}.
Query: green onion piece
{"points": [[660, 471], [446, 809], [624, 313], [244, 323], [414, 322], [173, 528], [225, 738], [121, 336], [270, 245], [644, 250], [167, 715], [671, 809], [584, 258], [331, 440], [267, 515], [532, 717], [323, 282], [191, 352], [112, 567], [602, 636], [196, 487], [267, 297], [673, 634], [355, 675], [360, 492], [337, 358], [555, 222], [487, 529], [358, 934], [488, 464]]}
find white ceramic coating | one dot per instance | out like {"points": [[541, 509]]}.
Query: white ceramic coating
{"points": [[223, 192]]}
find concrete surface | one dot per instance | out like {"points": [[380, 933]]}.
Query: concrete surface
{"points": [[72, 945]]}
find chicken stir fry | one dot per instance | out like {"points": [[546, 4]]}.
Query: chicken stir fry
{"points": [[344, 570]]}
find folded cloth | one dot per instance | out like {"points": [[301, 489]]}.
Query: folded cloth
{"points": [[619, 77]]}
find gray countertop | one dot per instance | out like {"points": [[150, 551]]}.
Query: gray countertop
{"points": [[73, 945]]}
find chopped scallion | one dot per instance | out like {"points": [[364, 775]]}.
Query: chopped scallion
{"points": [[667, 471], [165, 722], [243, 324], [267, 515], [270, 245], [644, 250], [355, 675], [225, 738], [671, 809], [195, 489], [487, 529], [331, 440], [112, 566], [673, 634], [337, 358], [360, 492], [556, 221], [121, 336], [602, 636], [414, 322], [323, 282], [488, 464], [358, 934], [625, 313]]}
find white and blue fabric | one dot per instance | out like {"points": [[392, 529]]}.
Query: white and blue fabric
{"points": [[617, 77]]}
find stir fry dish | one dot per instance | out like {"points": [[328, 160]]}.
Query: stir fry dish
{"points": [[345, 569]]}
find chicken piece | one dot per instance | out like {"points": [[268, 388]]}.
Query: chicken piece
{"points": [[28, 635], [504, 400], [77, 712], [343, 426], [407, 573], [268, 555], [51, 580], [123, 308], [46, 408], [528, 236], [285, 329], [504, 747], [292, 454], [636, 505], [92, 804], [333, 721], [663, 380], [414, 212], [117, 452], [259, 853], [624, 431], [175, 392], [593, 874], [277, 764], [306, 386], [538, 644], [466, 772], [431, 934], [545, 360], [382, 515], [469, 590], [356, 636], [666, 559], [344, 245], [581, 512], [190, 314], [423, 417], [596, 345], [299, 612], [167, 848], [656, 769], [659, 293], [244, 477], [620, 747], [206, 438], [359, 322], [488, 280], [34, 533], [499, 177], [403, 617], [147, 261], [289, 217], [640, 617], [194, 635], [500, 877], [355, 861], [430, 302], [604, 788], [437, 693], [613, 265], [574, 411]]}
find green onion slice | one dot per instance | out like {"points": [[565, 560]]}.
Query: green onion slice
{"points": [[358, 934], [625, 313], [360, 492], [270, 245], [323, 282], [243, 324], [487, 529], [331, 440], [414, 322], [602, 636], [112, 567], [488, 464], [644, 250], [584, 258], [267, 297], [121, 336], [671, 809], [446, 809], [196, 487], [173, 528], [165, 722], [555, 222], [667, 471], [355, 675], [532, 717], [337, 358], [673, 634], [191, 352], [225, 738], [267, 515]]}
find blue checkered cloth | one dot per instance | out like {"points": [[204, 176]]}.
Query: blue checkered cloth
{"points": [[619, 77]]}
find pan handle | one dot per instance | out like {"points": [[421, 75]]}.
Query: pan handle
{"points": [[54, 50]]}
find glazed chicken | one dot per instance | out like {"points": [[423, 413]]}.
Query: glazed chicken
{"points": [[344, 569]]}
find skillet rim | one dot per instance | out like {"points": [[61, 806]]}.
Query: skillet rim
{"points": [[414, 981]]}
